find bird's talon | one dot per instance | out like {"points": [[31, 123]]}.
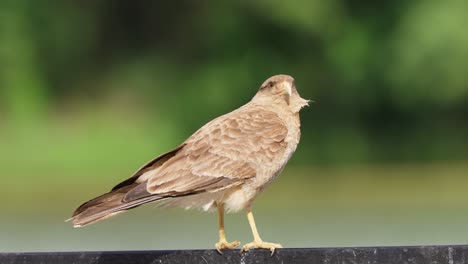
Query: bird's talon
{"points": [[245, 248], [263, 245], [226, 245]]}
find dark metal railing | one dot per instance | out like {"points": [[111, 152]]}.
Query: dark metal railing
{"points": [[373, 255]]}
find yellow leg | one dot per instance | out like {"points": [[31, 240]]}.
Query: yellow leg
{"points": [[258, 242], [223, 244]]}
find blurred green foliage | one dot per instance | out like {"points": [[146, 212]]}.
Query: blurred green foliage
{"points": [[78, 77], [90, 90]]}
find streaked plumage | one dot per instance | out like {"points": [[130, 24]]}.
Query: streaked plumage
{"points": [[224, 164]]}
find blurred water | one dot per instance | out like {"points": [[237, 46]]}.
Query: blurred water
{"points": [[351, 207], [154, 228]]}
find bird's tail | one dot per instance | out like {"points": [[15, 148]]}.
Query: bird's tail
{"points": [[106, 205]]}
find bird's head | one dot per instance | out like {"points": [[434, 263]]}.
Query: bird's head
{"points": [[280, 89]]}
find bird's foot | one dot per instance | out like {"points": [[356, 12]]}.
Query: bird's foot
{"points": [[261, 244], [223, 244]]}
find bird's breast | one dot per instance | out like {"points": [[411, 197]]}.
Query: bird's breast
{"points": [[269, 171]]}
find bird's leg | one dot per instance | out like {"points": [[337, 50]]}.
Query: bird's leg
{"points": [[258, 242], [223, 244]]}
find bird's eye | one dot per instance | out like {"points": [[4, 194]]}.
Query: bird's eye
{"points": [[269, 85]]}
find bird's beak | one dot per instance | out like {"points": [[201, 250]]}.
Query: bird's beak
{"points": [[287, 88]]}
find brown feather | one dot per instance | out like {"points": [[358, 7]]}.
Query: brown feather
{"points": [[226, 148], [154, 163], [92, 210]]}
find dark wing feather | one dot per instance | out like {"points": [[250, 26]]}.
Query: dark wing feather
{"points": [[151, 165], [113, 201]]}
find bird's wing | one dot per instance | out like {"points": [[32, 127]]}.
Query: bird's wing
{"points": [[150, 165], [222, 154]]}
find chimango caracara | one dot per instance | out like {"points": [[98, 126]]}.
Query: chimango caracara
{"points": [[224, 165]]}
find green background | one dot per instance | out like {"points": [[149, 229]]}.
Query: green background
{"points": [[91, 90]]}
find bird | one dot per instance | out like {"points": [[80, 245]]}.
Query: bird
{"points": [[223, 166]]}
